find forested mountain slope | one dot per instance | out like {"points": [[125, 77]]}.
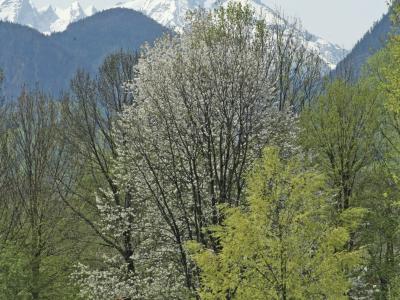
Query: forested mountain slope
{"points": [[29, 57], [369, 44]]}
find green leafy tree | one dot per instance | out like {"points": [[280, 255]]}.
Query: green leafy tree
{"points": [[203, 112], [36, 225], [283, 245], [382, 188], [389, 83], [341, 130], [380, 196], [14, 282]]}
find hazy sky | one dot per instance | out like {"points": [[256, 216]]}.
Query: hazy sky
{"points": [[339, 21]]}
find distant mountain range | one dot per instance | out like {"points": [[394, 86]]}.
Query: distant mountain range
{"points": [[170, 13], [30, 57], [55, 42]]}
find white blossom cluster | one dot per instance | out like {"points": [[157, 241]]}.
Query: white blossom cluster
{"points": [[114, 282], [155, 275]]}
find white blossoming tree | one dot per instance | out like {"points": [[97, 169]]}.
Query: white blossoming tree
{"points": [[206, 103], [205, 108]]}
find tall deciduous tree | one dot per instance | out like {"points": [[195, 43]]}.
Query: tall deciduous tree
{"points": [[36, 157], [91, 113], [298, 71], [341, 128], [206, 102], [205, 109], [382, 189], [283, 244]]}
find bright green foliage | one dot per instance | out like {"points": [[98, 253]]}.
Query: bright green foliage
{"points": [[15, 278], [381, 238], [283, 245], [395, 5], [14, 282], [341, 129], [391, 84], [382, 192]]}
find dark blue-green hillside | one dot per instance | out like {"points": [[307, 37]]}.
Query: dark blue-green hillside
{"points": [[30, 58]]}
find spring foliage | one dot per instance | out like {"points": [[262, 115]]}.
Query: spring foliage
{"points": [[215, 165], [283, 245]]}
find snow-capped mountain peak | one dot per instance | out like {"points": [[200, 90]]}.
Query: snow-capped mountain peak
{"points": [[72, 13], [171, 13], [67, 16], [47, 16], [46, 9], [18, 11], [46, 19], [76, 12], [9, 10]]}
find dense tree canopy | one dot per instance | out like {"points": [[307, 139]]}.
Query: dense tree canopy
{"points": [[215, 164], [283, 245]]}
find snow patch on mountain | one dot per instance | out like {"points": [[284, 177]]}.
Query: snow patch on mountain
{"points": [[171, 13], [19, 11], [330, 53], [67, 16], [46, 19], [90, 10]]}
